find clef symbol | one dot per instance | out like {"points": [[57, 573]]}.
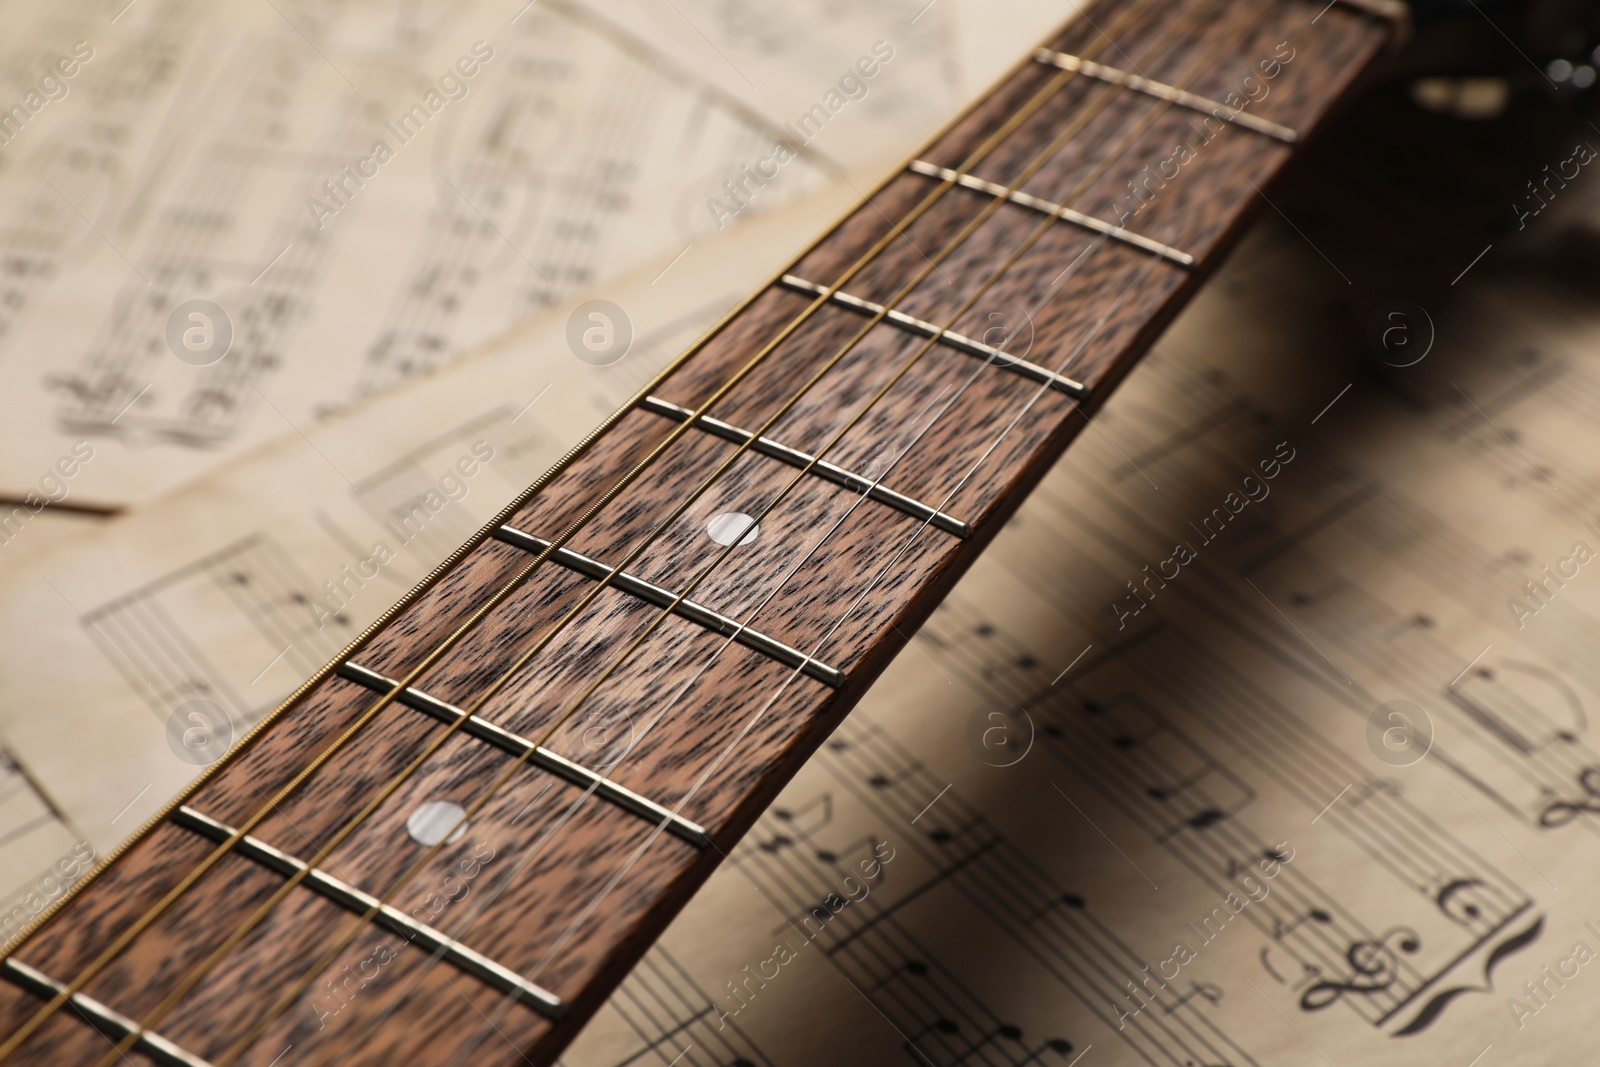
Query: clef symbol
{"points": [[1373, 968]]}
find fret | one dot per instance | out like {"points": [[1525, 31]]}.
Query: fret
{"points": [[540, 757], [1078, 218], [392, 919], [1192, 101], [778, 556], [743, 704], [112, 1024], [959, 342], [689, 609], [821, 468]]}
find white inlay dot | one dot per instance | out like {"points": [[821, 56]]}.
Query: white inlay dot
{"points": [[733, 526], [431, 822]]}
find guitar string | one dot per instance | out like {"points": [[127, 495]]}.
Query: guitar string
{"points": [[896, 230], [1129, 139], [527, 656]]}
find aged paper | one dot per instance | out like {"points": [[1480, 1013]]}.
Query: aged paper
{"points": [[233, 219]]}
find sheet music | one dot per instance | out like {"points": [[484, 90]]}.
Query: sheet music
{"points": [[1325, 796], [362, 193]]}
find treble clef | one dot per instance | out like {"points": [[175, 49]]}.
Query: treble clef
{"points": [[1373, 966], [1561, 812]]}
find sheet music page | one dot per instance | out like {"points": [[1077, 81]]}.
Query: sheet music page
{"points": [[233, 219]]}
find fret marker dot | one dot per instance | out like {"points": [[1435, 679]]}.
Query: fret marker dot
{"points": [[733, 526], [437, 821]]}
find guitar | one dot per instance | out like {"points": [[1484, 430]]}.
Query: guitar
{"points": [[453, 841]]}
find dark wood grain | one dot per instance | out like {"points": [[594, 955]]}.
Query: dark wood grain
{"points": [[576, 887]]}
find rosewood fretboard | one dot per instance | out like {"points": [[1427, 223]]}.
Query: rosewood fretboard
{"points": [[616, 676]]}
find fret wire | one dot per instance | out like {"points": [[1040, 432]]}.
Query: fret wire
{"points": [[523, 659], [592, 688], [828, 471], [493, 788], [98, 1015], [1078, 218], [958, 341], [347, 896], [546, 760], [662, 598], [1161, 91], [121, 943], [896, 229]]}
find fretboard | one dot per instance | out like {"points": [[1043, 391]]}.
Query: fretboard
{"points": [[452, 842]]}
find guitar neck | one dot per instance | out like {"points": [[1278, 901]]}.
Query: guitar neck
{"points": [[457, 838]]}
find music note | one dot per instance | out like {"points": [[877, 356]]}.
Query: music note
{"points": [[777, 844], [1280, 931], [1205, 990], [794, 817], [1008, 1032], [914, 968]]}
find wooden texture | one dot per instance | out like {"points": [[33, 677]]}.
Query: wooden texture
{"points": [[552, 880]]}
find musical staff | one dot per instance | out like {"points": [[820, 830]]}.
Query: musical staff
{"points": [[34, 835], [1158, 776], [251, 586], [673, 1021], [396, 495], [880, 948]]}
